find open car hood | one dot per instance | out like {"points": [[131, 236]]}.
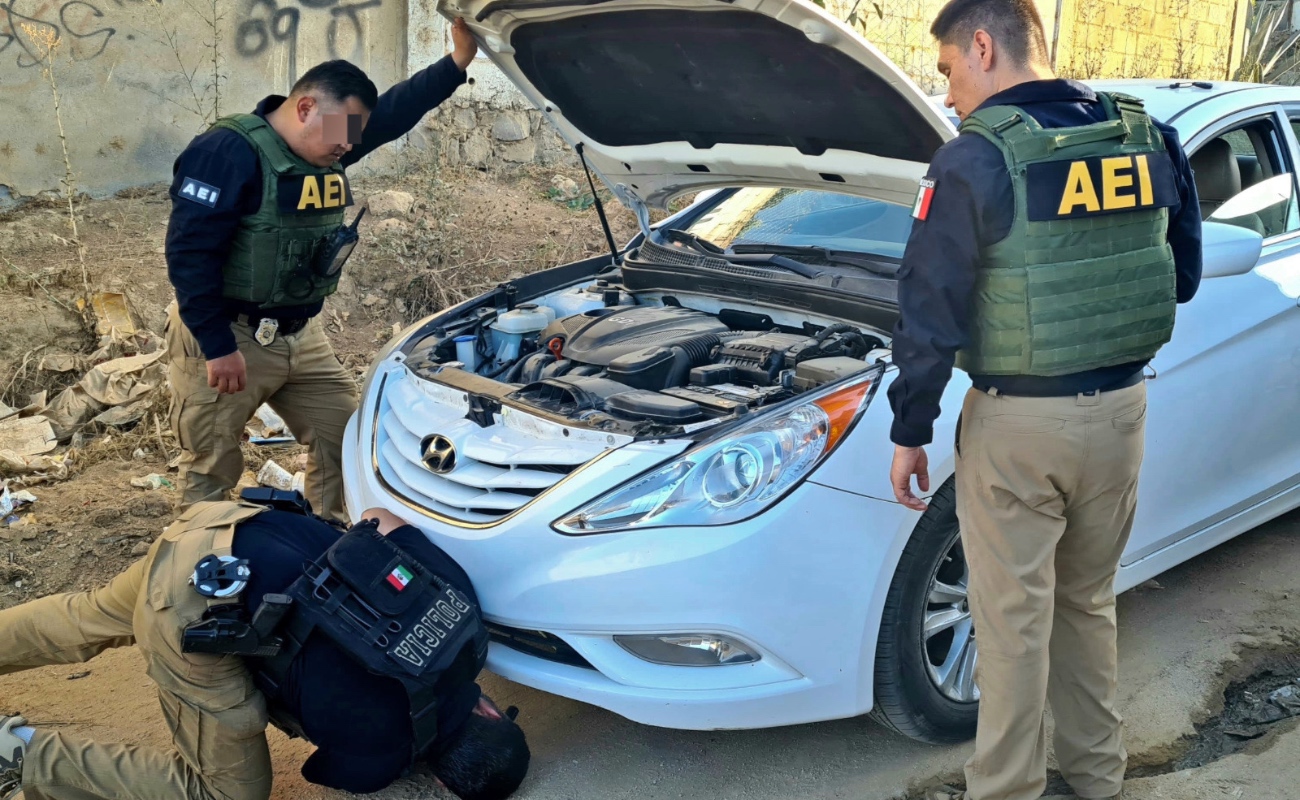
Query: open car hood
{"points": [[673, 96]]}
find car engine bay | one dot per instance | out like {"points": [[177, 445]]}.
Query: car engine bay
{"points": [[636, 364]]}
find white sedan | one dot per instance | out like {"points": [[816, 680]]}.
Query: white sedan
{"points": [[666, 469]]}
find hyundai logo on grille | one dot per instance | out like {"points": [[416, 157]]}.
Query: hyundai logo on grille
{"points": [[439, 454]]}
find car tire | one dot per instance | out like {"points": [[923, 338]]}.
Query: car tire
{"points": [[907, 699]]}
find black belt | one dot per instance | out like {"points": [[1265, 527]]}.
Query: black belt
{"points": [[1050, 390], [288, 326]]}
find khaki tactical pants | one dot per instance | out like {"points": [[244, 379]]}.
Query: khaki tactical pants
{"points": [[216, 715], [297, 375], [1046, 493]]}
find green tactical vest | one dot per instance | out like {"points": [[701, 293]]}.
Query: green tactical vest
{"points": [[273, 251], [1085, 279]]}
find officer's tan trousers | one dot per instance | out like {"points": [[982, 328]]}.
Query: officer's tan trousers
{"points": [[216, 716], [297, 375], [1046, 493]]}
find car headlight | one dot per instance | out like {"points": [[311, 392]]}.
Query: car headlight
{"points": [[736, 476]]}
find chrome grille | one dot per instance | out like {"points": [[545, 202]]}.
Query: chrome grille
{"points": [[499, 469]]}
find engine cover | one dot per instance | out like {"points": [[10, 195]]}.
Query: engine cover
{"points": [[602, 335]]}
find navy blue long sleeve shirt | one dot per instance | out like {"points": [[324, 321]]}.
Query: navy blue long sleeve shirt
{"points": [[360, 722], [971, 208], [199, 236]]}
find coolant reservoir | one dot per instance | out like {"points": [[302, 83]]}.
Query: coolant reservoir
{"points": [[510, 328], [573, 302]]}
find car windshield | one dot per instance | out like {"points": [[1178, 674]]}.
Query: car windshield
{"points": [[803, 218]]}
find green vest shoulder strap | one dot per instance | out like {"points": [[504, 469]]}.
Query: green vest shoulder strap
{"points": [[263, 138], [1021, 139]]}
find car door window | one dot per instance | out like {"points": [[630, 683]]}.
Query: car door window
{"points": [[1244, 177]]}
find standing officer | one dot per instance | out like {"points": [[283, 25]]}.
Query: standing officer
{"points": [[256, 202], [1061, 230], [378, 643]]}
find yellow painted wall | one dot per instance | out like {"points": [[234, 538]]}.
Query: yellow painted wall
{"points": [[1098, 38]]}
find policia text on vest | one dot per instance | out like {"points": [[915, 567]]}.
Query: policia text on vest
{"points": [[330, 679], [255, 244]]}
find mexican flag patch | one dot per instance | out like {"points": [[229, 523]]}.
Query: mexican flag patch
{"points": [[399, 577], [923, 197]]}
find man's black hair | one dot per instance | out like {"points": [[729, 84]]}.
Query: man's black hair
{"points": [[1013, 24], [487, 760], [340, 80]]}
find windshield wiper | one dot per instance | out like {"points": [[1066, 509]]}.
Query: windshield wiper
{"points": [[846, 258], [708, 249]]}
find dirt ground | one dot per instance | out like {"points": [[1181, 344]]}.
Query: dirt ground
{"points": [[467, 231], [1199, 649]]}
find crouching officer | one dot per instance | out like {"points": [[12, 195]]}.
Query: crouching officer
{"points": [[1051, 243], [255, 243], [366, 643]]}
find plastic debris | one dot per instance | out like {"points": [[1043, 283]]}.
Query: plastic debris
{"points": [[1287, 698], [10, 501], [273, 429], [33, 469], [153, 481], [277, 477]]}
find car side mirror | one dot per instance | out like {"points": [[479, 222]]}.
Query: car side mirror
{"points": [[1228, 249]]}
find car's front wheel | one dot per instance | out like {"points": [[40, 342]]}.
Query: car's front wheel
{"points": [[926, 654]]}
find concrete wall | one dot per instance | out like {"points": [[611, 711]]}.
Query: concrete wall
{"points": [[136, 76], [136, 80], [487, 121]]}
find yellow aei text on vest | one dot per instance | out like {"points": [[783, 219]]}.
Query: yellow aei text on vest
{"points": [[1117, 173], [312, 197]]}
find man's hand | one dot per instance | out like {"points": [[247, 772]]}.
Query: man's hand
{"points": [[228, 374], [388, 521], [466, 47], [909, 461]]}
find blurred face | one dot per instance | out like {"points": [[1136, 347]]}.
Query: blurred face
{"points": [[969, 72], [328, 129]]}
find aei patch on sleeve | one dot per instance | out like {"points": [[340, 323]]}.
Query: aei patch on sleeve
{"points": [[199, 192]]}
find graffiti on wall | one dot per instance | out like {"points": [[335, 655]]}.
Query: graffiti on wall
{"points": [[83, 27], [267, 24], [78, 24]]}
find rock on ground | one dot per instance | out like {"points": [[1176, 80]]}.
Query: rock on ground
{"points": [[392, 204]]}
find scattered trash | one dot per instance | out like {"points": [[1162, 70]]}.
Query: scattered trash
{"points": [[113, 315], [124, 380], [273, 428], [140, 454], [1151, 585], [59, 362], [6, 412], [10, 500], [122, 416], [76, 676], [1287, 698], [153, 481], [27, 436], [277, 477], [31, 470]]}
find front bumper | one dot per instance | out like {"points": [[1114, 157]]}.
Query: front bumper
{"points": [[801, 584]]}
